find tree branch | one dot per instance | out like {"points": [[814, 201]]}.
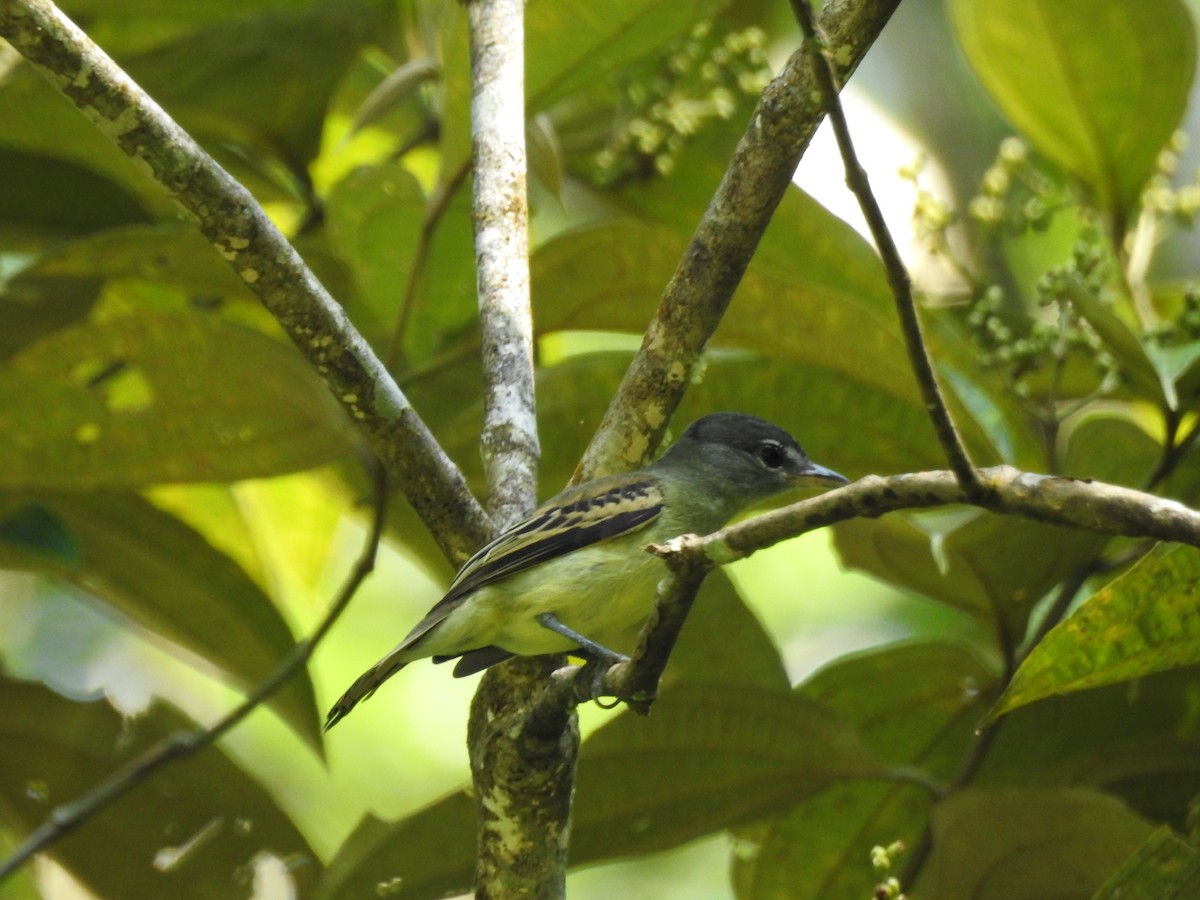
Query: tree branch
{"points": [[897, 275], [69, 816], [233, 222], [1092, 505], [523, 784], [699, 292]]}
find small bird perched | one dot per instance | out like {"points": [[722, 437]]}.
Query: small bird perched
{"points": [[574, 576]]}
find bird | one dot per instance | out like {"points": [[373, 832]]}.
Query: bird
{"points": [[574, 576]]}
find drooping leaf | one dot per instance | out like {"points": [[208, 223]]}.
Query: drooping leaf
{"points": [[1135, 741], [150, 398], [914, 705], [264, 78], [192, 830], [705, 760], [1165, 867], [60, 198], [1146, 621], [1110, 447], [1096, 86], [1017, 843], [965, 559], [169, 253], [168, 579]]}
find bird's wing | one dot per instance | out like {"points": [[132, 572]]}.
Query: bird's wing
{"points": [[572, 520]]}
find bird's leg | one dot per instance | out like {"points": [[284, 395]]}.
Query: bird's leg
{"points": [[600, 658]]}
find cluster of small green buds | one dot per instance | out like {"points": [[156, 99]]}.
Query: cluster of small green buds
{"points": [[882, 859], [1015, 195], [1161, 196], [699, 78]]}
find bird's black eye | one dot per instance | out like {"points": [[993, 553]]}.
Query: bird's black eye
{"points": [[771, 453]]}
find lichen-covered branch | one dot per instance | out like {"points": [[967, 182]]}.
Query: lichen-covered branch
{"points": [[501, 216], [233, 222], [523, 784], [699, 292]]}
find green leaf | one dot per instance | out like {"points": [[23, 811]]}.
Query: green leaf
{"points": [[401, 84], [1097, 86], [1148, 620], [723, 644], [573, 43], [60, 198], [261, 79], [1110, 447], [46, 126], [1136, 741], [708, 758], [169, 253], [964, 558], [34, 307], [150, 398], [33, 528], [375, 218], [914, 705], [1163, 868], [169, 580], [1124, 345], [1016, 843], [192, 830]]}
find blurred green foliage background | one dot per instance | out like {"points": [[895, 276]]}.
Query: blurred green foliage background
{"points": [[179, 498]]}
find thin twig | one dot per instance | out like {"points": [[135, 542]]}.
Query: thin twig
{"points": [[897, 273], [69, 816], [433, 216], [236, 226]]}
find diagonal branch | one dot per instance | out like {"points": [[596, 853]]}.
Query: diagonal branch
{"points": [[69, 816], [233, 222], [699, 292], [897, 275]]}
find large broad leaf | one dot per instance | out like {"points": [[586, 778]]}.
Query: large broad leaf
{"points": [[573, 43], [965, 559], [914, 705], [376, 223], [1146, 621], [609, 277], [1165, 867], [1016, 843], [1097, 86], [192, 830], [1136, 741], [1108, 446], [59, 198], [168, 579], [262, 79], [168, 253], [44, 125], [147, 398], [34, 307]]}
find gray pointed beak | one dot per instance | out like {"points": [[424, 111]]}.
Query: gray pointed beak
{"points": [[819, 476]]}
